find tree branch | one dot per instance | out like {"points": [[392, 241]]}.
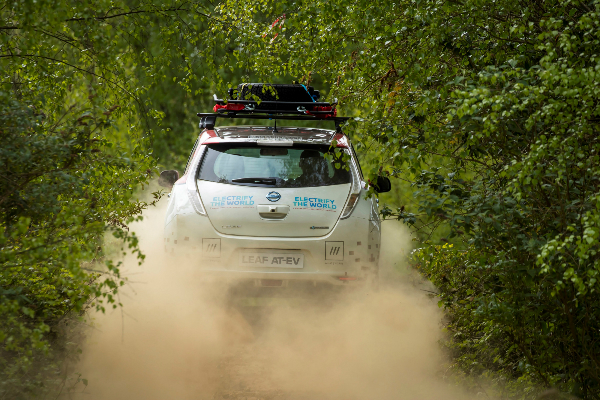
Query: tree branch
{"points": [[72, 66], [106, 17]]}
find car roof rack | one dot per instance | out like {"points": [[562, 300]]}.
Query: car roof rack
{"points": [[273, 110]]}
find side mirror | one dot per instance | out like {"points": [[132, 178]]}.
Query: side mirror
{"points": [[383, 184], [168, 178]]}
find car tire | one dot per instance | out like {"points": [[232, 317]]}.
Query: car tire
{"points": [[277, 92]]}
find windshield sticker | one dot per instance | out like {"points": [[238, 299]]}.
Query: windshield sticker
{"points": [[232, 201], [314, 203]]}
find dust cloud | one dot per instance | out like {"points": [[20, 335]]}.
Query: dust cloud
{"points": [[180, 335]]}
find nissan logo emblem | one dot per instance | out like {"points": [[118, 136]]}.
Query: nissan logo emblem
{"points": [[273, 196]]}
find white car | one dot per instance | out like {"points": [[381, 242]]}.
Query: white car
{"points": [[276, 207]]}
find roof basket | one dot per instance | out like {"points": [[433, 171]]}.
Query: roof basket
{"points": [[272, 101]]}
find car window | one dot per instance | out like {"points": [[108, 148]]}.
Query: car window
{"points": [[297, 166]]}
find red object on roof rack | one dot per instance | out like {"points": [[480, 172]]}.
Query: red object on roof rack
{"points": [[228, 107]]}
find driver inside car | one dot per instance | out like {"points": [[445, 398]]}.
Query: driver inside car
{"points": [[314, 168]]}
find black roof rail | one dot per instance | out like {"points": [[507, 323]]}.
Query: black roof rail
{"points": [[208, 120]]}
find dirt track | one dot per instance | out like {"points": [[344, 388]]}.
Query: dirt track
{"points": [[181, 336]]}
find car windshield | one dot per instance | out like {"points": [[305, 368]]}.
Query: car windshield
{"points": [[294, 166]]}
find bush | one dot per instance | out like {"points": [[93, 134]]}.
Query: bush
{"points": [[54, 210], [507, 326]]}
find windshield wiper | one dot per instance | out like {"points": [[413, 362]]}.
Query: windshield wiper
{"points": [[263, 181]]}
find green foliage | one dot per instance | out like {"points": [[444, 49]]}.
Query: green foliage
{"points": [[55, 209], [488, 112], [478, 348], [76, 132], [491, 110], [532, 211]]}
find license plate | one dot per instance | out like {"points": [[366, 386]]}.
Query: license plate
{"points": [[279, 260]]}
